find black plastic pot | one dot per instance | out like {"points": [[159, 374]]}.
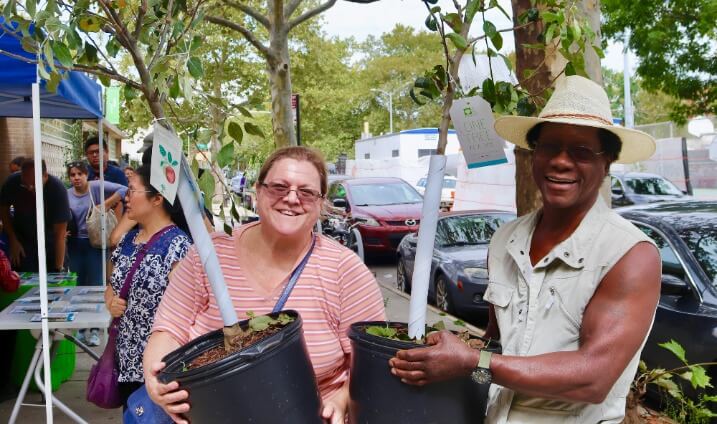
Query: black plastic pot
{"points": [[271, 381], [378, 397]]}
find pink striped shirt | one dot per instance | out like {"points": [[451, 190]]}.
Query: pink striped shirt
{"points": [[334, 290]]}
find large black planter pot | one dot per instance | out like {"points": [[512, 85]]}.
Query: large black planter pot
{"points": [[270, 382], [378, 397]]}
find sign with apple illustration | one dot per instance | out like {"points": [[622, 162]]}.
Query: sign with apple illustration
{"points": [[166, 160]]}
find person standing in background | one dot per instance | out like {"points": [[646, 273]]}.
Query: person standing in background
{"points": [[19, 192], [112, 173], [15, 164], [84, 259]]}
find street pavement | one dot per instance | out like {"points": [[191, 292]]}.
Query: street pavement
{"points": [[72, 392]]}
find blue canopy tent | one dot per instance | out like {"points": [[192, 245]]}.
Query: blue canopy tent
{"points": [[24, 95]]}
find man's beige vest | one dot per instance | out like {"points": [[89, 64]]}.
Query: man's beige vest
{"points": [[539, 309]]}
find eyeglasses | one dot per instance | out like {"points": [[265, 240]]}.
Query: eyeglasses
{"points": [[282, 190], [580, 154], [131, 191]]}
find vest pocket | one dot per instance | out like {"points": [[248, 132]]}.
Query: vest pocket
{"points": [[500, 295]]}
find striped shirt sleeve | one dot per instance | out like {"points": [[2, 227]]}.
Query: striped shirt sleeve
{"points": [[360, 296], [185, 297]]}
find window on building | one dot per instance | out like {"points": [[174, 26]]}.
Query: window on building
{"points": [[394, 153], [367, 156], [426, 152]]}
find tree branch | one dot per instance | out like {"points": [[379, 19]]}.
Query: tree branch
{"points": [[263, 20], [291, 8], [263, 50], [140, 17], [311, 13], [95, 70], [163, 35], [117, 22]]}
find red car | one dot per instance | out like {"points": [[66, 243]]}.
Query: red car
{"points": [[382, 209]]}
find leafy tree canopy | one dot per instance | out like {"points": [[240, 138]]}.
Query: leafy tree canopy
{"points": [[676, 42]]}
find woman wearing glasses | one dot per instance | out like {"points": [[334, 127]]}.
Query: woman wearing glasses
{"points": [[334, 290], [86, 260], [141, 264]]}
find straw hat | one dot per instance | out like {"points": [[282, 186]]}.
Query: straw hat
{"points": [[578, 101]]}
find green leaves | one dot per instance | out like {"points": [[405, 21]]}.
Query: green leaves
{"points": [[472, 8], [676, 349], [226, 155], [263, 322], [253, 129], [206, 185], [454, 21], [492, 33], [235, 132], [62, 54], [194, 65], [458, 41], [90, 24], [381, 331], [431, 23]]}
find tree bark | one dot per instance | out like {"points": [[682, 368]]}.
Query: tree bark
{"points": [[279, 69], [527, 196], [282, 119]]}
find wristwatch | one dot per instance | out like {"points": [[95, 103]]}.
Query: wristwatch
{"points": [[481, 374]]}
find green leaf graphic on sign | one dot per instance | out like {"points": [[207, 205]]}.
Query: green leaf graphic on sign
{"points": [[161, 150], [169, 157]]}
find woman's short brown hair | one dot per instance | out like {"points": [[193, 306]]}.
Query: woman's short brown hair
{"points": [[300, 153]]}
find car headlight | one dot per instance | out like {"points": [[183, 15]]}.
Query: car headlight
{"points": [[477, 273], [368, 222]]}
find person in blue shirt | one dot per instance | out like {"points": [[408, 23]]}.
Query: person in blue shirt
{"points": [[112, 173]]}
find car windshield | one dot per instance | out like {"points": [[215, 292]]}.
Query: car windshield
{"points": [[449, 183], [380, 194], [702, 241], [468, 229], [652, 186]]}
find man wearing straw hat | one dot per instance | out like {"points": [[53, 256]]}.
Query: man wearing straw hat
{"points": [[573, 287]]}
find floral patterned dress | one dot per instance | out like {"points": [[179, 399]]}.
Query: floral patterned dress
{"points": [[147, 288]]}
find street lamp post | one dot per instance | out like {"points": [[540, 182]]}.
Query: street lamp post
{"points": [[390, 107]]}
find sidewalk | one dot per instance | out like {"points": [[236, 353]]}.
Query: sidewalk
{"points": [[72, 393]]}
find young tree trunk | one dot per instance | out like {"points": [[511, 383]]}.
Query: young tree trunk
{"points": [[282, 119]]}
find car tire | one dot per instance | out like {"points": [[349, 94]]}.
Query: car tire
{"points": [[402, 282], [443, 295]]}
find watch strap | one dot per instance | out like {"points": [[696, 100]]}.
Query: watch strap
{"points": [[484, 359]]}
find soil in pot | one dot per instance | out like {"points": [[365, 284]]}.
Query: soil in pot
{"points": [[379, 397], [268, 380]]}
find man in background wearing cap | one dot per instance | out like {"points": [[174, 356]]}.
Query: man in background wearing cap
{"points": [[112, 173], [573, 287]]}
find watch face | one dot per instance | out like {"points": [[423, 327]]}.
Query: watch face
{"points": [[482, 376]]}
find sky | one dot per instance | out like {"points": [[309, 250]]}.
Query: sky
{"points": [[347, 19]]}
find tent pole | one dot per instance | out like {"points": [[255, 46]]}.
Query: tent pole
{"points": [[41, 254], [103, 214]]}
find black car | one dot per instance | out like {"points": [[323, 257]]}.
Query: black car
{"points": [[638, 188], [686, 234], [459, 274]]}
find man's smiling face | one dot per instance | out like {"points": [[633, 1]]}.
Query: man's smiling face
{"points": [[569, 165]]}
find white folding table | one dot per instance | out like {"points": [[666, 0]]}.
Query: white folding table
{"points": [[10, 320]]}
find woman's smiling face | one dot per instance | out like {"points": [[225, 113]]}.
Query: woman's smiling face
{"points": [[289, 215]]}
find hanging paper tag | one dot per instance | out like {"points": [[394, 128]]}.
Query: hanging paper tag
{"points": [[166, 162], [473, 121]]}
